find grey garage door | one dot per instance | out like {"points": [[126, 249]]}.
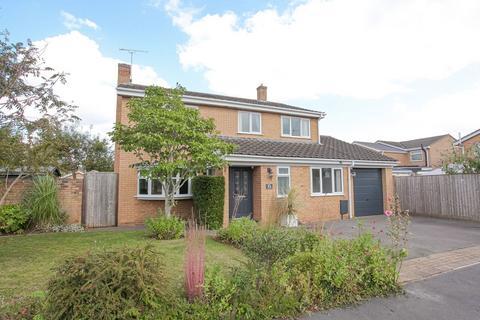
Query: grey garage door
{"points": [[368, 193]]}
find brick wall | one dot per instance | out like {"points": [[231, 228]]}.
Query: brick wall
{"points": [[226, 121], [470, 143], [439, 150], [70, 193]]}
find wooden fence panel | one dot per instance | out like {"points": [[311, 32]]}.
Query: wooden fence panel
{"points": [[100, 199], [447, 196]]}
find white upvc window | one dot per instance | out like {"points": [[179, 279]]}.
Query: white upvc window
{"points": [[153, 188], [295, 127], [326, 181], [416, 155], [283, 181], [249, 122]]}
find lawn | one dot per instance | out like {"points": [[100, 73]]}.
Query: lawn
{"points": [[26, 261]]}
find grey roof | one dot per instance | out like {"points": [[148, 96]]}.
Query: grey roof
{"points": [[377, 146], [228, 98], [416, 143], [330, 148]]}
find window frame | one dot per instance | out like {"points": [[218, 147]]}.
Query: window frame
{"points": [[290, 121], [333, 193], [150, 196], [250, 122], [284, 175], [411, 153]]}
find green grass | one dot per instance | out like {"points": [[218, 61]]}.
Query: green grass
{"points": [[26, 261]]}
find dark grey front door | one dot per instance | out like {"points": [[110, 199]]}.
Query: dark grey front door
{"points": [[240, 193], [368, 193]]}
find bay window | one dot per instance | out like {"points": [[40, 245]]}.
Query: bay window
{"points": [[153, 188], [326, 181]]}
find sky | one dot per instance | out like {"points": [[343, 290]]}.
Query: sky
{"points": [[380, 69]]}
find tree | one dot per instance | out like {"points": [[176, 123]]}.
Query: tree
{"points": [[29, 108], [172, 142], [459, 162], [75, 150]]}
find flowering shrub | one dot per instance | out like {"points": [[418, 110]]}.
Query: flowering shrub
{"points": [[398, 221]]}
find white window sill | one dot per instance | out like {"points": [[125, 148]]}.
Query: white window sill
{"points": [[251, 133], [327, 194], [295, 137], [150, 197]]}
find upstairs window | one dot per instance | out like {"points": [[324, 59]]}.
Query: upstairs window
{"points": [[295, 127], [327, 181], [416, 155], [249, 122]]}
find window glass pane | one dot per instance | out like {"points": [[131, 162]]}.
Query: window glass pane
{"points": [[416, 155], [183, 188], [244, 121], [296, 127], [305, 128], [156, 187], [283, 185], [255, 122], [282, 170], [286, 125], [326, 180], [338, 180], [316, 180], [142, 186]]}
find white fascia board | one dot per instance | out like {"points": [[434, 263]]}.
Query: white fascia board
{"points": [[190, 100], [467, 137], [252, 160]]}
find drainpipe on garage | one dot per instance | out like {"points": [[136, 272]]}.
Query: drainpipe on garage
{"points": [[350, 202]]}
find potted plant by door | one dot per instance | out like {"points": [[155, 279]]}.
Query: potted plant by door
{"points": [[288, 207]]}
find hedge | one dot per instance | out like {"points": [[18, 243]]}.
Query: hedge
{"points": [[208, 199]]}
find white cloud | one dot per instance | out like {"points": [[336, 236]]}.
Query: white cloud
{"points": [[74, 23], [92, 77], [361, 49]]}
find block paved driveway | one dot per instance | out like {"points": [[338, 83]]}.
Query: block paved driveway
{"points": [[427, 235], [441, 275]]}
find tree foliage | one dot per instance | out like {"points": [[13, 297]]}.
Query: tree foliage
{"points": [[169, 139], [29, 109], [463, 162]]}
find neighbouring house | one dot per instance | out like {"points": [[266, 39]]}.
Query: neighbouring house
{"points": [[470, 142], [420, 155], [278, 147]]}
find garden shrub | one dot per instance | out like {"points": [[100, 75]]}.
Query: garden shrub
{"points": [[13, 218], [337, 272], [208, 199], [122, 283], [273, 244], [165, 228], [238, 231], [43, 204]]}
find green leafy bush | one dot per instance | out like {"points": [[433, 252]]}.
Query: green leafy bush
{"points": [[165, 228], [208, 199], [273, 244], [123, 283], [337, 272], [13, 218], [238, 231], [43, 204]]}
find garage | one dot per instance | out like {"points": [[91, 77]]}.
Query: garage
{"points": [[368, 192]]}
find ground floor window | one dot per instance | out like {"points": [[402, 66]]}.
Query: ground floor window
{"points": [[326, 181], [283, 181], [154, 188]]}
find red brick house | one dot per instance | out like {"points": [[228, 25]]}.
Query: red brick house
{"points": [[279, 147], [470, 142]]}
